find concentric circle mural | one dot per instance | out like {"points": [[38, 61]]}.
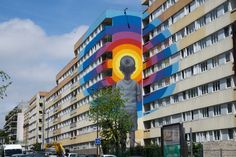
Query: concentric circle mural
{"points": [[126, 50]]}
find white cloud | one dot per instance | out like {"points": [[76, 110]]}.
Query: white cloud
{"points": [[32, 58]]}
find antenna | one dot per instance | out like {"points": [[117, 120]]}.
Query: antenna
{"points": [[127, 20], [125, 10]]}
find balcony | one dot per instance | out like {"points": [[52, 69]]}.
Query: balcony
{"points": [[73, 125], [57, 131], [74, 86], [73, 112], [57, 120], [73, 99]]}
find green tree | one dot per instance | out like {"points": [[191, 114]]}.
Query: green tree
{"points": [[107, 110], [197, 149], [4, 135], [37, 147], [4, 83]]}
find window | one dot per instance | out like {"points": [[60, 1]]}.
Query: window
{"points": [[216, 86], [220, 10], [221, 34], [178, 16], [228, 82], [204, 66], [214, 38], [217, 135], [184, 117], [231, 134], [227, 57], [190, 50], [203, 43], [229, 108], [213, 15], [215, 62], [205, 112], [217, 110], [184, 95], [193, 92], [204, 89], [176, 98], [202, 21], [190, 28], [193, 6]]}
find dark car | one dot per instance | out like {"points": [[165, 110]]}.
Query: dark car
{"points": [[91, 155]]}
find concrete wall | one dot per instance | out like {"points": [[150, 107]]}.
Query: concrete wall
{"points": [[20, 129], [219, 149]]}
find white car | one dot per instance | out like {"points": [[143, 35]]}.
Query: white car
{"points": [[72, 155], [107, 155]]}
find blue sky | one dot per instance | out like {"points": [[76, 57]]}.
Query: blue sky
{"points": [[61, 16], [37, 39]]}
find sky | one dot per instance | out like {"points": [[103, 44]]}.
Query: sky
{"points": [[37, 39]]}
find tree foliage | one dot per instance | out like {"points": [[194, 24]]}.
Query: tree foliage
{"points": [[4, 135], [197, 149], [107, 110], [4, 83], [37, 147]]}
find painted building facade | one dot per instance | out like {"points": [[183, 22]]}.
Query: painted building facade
{"points": [[96, 65], [188, 69]]}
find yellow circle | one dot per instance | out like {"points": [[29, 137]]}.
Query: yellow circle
{"points": [[126, 50]]}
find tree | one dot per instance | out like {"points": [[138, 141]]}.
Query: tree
{"points": [[107, 110], [37, 147], [4, 135], [5, 82]]}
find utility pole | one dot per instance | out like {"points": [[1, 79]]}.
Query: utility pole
{"points": [[97, 133], [191, 142], [93, 90]]}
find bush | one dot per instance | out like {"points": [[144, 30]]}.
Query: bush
{"points": [[197, 149], [146, 151]]}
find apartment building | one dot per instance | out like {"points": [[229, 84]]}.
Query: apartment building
{"points": [[95, 65], [189, 74], [14, 124], [33, 122]]}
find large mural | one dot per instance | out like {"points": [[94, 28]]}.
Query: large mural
{"points": [[122, 34]]}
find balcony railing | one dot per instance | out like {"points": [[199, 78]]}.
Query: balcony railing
{"points": [[72, 125]]}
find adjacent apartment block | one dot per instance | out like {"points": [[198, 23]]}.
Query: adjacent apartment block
{"points": [[189, 68], [96, 65], [33, 122], [14, 124]]}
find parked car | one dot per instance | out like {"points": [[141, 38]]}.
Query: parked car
{"points": [[73, 155], [91, 155]]}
